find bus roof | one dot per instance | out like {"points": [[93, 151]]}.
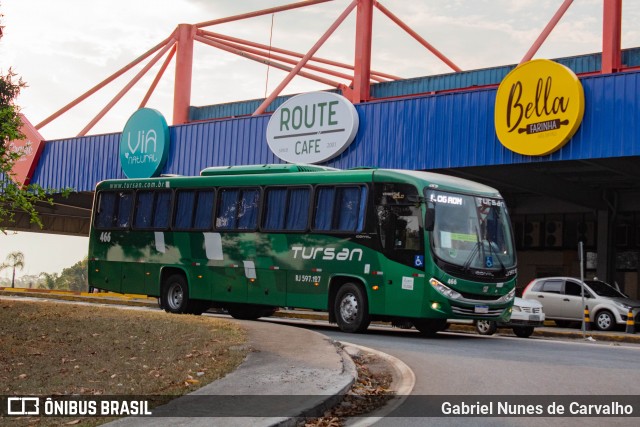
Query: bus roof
{"points": [[282, 174]]}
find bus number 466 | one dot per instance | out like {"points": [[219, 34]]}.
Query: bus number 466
{"points": [[105, 237]]}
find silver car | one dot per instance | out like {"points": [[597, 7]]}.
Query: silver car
{"points": [[561, 298]]}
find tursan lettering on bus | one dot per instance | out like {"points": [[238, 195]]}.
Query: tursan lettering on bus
{"points": [[326, 254]]}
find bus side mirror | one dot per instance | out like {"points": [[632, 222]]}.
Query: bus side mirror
{"points": [[430, 219]]}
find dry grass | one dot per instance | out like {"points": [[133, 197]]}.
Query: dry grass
{"points": [[59, 349]]}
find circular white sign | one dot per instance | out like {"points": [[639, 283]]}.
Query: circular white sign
{"points": [[312, 127]]}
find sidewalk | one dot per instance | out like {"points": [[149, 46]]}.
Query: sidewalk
{"points": [[289, 373]]}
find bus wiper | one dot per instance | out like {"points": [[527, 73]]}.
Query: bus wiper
{"points": [[467, 264]]}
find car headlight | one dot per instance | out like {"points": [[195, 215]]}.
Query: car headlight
{"points": [[621, 305], [508, 297], [444, 290], [516, 308]]}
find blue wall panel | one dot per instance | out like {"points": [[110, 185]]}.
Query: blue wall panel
{"points": [[448, 130]]}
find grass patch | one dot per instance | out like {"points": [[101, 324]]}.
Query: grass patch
{"points": [[51, 349]]}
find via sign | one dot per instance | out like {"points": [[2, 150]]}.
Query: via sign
{"points": [[144, 144], [312, 127], [539, 107]]}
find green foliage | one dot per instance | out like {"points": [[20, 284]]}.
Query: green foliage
{"points": [[73, 278], [15, 260]]}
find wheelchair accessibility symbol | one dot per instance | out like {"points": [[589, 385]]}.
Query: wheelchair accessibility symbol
{"points": [[488, 261], [418, 261]]}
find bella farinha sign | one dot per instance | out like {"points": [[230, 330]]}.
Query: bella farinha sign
{"points": [[144, 144], [539, 107], [312, 127]]}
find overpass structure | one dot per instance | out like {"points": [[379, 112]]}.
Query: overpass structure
{"points": [[588, 190]]}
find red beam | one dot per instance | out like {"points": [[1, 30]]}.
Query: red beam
{"points": [[284, 59], [260, 13], [418, 38], [122, 92], [362, 61], [184, 73], [263, 107], [375, 75], [104, 83], [547, 30], [274, 64], [612, 36], [158, 77]]}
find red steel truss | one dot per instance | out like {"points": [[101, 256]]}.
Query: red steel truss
{"points": [[353, 80]]}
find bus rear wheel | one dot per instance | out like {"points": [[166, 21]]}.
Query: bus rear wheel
{"points": [[351, 309], [175, 294]]}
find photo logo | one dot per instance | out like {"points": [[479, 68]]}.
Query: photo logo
{"points": [[23, 406]]}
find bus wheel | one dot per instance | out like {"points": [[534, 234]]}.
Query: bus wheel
{"points": [[350, 307], [430, 327], [175, 295]]}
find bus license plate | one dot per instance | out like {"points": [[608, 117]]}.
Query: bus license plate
{"points": [[481, 309]]}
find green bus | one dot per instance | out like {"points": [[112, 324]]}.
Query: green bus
{"points": [[406, 247]]}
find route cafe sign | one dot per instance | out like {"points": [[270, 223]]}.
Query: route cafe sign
{"points": [[539, 107], [312, 127]]}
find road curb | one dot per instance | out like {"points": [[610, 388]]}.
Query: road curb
{"points": [[403, 381]]}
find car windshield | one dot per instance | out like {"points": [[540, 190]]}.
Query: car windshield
{"points": [[604, 289], [471, 232]]}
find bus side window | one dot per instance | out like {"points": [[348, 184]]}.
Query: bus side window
{"points": [[152, 209], [194, 210], [105, 210], [185, 203], [286, 209], [238, 209], [340, 208], [125, 203]]}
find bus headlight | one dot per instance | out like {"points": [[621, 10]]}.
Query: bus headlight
{"points": [[444, 290], [508, 297]]}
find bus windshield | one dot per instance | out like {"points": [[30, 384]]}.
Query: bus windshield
{"points": [[471, 232]]}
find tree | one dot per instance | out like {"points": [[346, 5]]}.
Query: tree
{"points": [[75, 277], [50, 280], [14, 260], [13, 196]]}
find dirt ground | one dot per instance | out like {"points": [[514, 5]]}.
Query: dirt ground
{"points": [[55, 349]]}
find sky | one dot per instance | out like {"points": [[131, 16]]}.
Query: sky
{"points": [[63, 48]]}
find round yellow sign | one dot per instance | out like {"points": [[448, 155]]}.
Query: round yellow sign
{"points": [[539, 107]]}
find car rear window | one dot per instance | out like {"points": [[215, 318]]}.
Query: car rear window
{"points": [[552, 286]]}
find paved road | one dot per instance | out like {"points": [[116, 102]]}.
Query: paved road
{"points": [[468, 364]]}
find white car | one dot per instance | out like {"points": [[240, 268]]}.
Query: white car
{"points": [[562, 301], [526, 315]]}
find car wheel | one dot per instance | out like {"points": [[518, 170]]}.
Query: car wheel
{"points": [[486, 327], [523, 331], [351, 309], [605, 321]]}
